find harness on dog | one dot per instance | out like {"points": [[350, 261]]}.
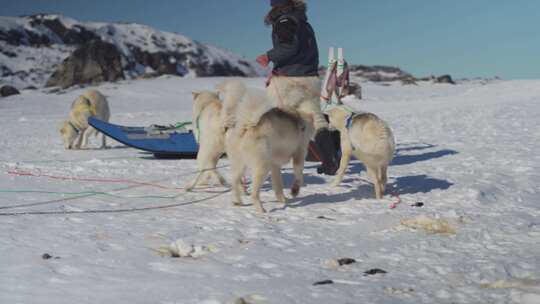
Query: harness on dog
{"points": [[74, 127], [349, 121], [350, 118]]}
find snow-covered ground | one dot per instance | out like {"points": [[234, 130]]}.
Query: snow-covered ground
{"points": [[469, 153]]}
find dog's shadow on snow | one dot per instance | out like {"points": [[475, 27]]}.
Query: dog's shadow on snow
{"points": [[406, 159], [288, 179], [406, 147], [400, 160], [401, 186], [363, 191], [417, 184]]}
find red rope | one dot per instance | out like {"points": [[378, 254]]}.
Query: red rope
{"points": [[395, 204], [314, 152], [244, 184], [99, 180]]}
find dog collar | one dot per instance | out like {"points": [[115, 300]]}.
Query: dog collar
{"points": [[74, 127], [350, 118]]}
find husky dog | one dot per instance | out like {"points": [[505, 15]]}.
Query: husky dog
{"points": [[210, 134], [301, 93], [264, 139], [75, 131], [369, 138]]}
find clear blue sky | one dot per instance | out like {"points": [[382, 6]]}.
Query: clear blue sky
{"points": [[465, 38]]}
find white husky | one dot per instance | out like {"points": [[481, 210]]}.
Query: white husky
{"points": [[369, 138], [263, 139], [212, 117], [75, 131], [300, 93], [210, 134]]}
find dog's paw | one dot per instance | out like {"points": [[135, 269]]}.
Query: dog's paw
{"points": [[237, 204], [335, 184], [282, 199]]}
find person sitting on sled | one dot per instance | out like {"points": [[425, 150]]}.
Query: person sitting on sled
{"points": [[295, 76]]}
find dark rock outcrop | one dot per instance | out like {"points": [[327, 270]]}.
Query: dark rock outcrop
{"points": [[160, 62], [379, 73], [408, 81], [7, 90], [445, 79], [93, 62], [76, 35], [33, 36]]}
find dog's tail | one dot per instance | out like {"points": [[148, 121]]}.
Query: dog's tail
{"points": [[386, 138], [253, 106], [200, 104], [231, 92]]}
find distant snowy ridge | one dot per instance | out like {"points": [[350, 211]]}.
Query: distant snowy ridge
{"points": [[378, 73], [33, 47]]}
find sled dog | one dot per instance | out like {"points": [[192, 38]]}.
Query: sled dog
{"points": [[75, 131], [369, 138], [300, 93], [263, 139], [210, 135]]}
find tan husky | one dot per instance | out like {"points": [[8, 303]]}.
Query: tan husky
{"points": [[75, 131], [211, 118], [210, 135], [369, 138], [264, 139]]}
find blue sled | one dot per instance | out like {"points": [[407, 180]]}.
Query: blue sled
{"points": [[162, 144]]}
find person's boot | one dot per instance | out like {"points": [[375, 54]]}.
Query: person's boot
{"points": [[327, 152]]}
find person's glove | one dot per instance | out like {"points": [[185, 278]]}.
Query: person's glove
{"points": [[263, 60]]}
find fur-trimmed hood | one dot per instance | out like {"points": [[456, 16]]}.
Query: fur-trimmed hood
{"points": [[295, 8]]}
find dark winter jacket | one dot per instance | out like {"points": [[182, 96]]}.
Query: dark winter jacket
{"points": [[295, 51]]}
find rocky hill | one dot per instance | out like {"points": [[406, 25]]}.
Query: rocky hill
{"points": [[379, 73], [53, 50]]}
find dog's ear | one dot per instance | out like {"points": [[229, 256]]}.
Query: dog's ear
{"points": [[86, 101], [195, 95]]}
